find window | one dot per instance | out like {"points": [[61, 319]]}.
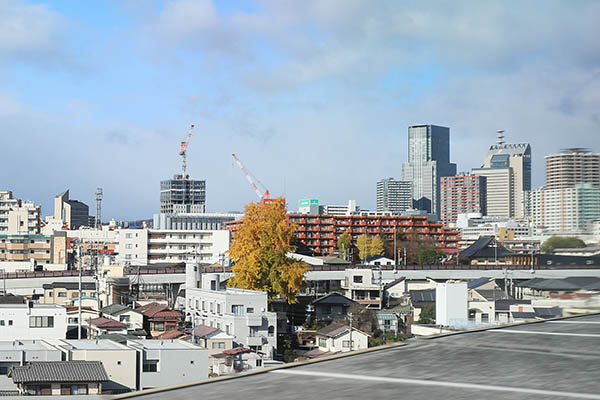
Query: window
{"points": [[237, 309], [159, 326], [250, 310], [357, 279], [218, 345], [150, 366], [212, 307], [203, 305], [50, 294], [259, 363], [124, 318], [128, 236], [128, 246], [271, 330], [10, 322], [72, 320], [322, 342], [62, 294], [1, 322], [118, 362], [218, 308], [253, 331], [346, 344], [41, 322]]}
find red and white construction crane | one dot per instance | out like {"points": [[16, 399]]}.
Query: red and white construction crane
{"points": [[183, 152], [261, 195]]}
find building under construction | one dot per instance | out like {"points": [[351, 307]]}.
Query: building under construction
{"points": [[182, 194]]}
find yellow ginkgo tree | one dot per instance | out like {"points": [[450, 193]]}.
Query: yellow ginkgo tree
{"points": [[259, 250]]}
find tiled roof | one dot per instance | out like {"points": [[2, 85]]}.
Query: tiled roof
{"points": [[477, 282], [106, 323], [334, 330], [69, 285], [523, 315], [423, 296], [236, 351], [394, 282], [504, 304], [60, 371], [171, 334], [203, 330], [115, 309], [167, 314]]}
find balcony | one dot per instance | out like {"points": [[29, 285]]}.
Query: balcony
{"points": [[253, 320], [254, 340]]}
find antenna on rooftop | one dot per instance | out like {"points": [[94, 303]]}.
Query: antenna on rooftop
{"points": [[500, 137]]}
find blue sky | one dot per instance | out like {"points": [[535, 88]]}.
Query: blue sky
{"points": [[314, 96]]}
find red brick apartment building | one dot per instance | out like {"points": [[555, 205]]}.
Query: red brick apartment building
{"points": [[320, 232]]}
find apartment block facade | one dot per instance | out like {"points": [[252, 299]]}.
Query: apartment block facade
{"points": [[320, 232], [393, 195], [572, 167], [238, 312], [17, 216], [42, 249], [462, 194]]}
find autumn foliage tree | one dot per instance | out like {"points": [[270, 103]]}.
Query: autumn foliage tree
{"points": [[259, 252], [373, 247]]}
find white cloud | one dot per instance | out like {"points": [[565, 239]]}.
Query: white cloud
{"points": [[31, 33]]}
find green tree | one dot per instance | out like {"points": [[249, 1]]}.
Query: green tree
{"points": [[558, 242], [429, 256], [427, 315], [259, 252], [344, 245]]}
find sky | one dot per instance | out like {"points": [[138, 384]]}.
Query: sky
{"points": [[314, 96]]}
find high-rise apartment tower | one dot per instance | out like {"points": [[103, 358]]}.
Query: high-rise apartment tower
{"points": [[393, 195]]}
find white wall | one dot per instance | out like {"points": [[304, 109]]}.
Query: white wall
{"points": [[215, 308], [20, 315], [451, 303]]}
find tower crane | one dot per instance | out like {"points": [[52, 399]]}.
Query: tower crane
{"points": [[183, 152], [261, 195]]}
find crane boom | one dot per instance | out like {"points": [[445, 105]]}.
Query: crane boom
{"points": [[261, 196], [183, 152]]}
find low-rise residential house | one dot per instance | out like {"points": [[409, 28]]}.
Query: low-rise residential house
{"points": [[16, 353], [389, 322], [118, 360], [56, 378], [332, 307], [216, 342], [396, 288], [169, 362], [134, 319], [159, 318], [336, 338], [361, 286], [32, 321], [379, 260], [420, 299], [87, 314], [101, 326], [63, 293], [238, 312]]}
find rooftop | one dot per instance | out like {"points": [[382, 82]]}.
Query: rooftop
{"points": [[158, 344], [60, 371], [537, 361], [11, 345], [85, 344]]}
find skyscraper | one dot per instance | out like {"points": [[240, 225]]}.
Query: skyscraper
{"points": [[73, 213], [507, 167], [462, 194], [572, 167], [428, 161], [393, 195], [182, 195]]}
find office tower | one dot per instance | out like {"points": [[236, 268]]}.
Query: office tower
{"points": [[462, 194], [428, 161], [182, 195], [572, 167], [568, 210], [73, 213], [507, 167], [393, 195]]}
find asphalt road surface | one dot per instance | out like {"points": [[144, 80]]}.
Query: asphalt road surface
{"points": [[548, 360]]}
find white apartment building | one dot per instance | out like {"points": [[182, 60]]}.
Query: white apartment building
{"points": [[32, 321], [169, 362], [172, 246], [238, 312], [18, 217], [132, 246], [570, 210]]}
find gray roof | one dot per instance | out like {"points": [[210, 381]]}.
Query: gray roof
{"points": [[60, 371], [69, 285], [504, 304], [493, 294], [334, 298], [423, 296], [483, 247], [394, 282], [116, 309], [478, 282], [523, 315]]}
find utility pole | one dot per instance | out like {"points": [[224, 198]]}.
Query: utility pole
{"points": [[79, 306], [395, 254], [350, 316]]}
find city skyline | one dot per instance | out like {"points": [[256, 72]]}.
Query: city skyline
{"points": [[102, 95]]}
